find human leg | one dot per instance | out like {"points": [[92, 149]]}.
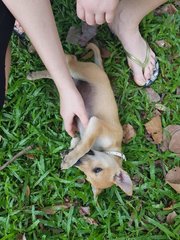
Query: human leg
{"points": [[6, 27], [126, 26]]}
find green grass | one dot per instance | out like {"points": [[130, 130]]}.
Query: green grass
{"points": [[31, 116]]}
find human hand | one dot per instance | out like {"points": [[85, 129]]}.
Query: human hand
{"points": [[94, 12], [72, 105]]}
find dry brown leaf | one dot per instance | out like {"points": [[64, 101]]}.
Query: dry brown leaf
{"points": [[160, 107], [128, 133], [105, 53], [30, 156], [163, 44], [81, 36], [73, 35], [170, 217], [84, 211], [154, 128], [174, 145], [91, 221], [28, 191], [170, 206], [152, 95], [171, 139], [173, 178], [88, 33], [168, 8]]}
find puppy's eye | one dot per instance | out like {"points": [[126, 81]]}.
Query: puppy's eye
{"points": [[97, 170]]}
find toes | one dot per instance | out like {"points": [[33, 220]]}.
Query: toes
{"points": [[137, 73], [139, 78], [148, 72]]}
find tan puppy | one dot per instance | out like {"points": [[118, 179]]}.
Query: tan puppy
{"points": [[98, 150]]}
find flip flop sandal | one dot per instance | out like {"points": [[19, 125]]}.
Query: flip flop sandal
{"points": [[144, 64]]}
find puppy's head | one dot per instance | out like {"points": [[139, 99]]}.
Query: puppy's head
{"points": [[103, 170]]}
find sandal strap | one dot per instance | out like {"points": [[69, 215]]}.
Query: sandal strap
{"points": [[136, 60]]}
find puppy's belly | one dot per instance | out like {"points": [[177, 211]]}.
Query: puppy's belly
{"points": [[87, 92]]}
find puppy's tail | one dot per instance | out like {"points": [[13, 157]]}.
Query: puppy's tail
{"points": [[97, 54]]}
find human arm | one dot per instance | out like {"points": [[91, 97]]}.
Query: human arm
{"points": [[37, 19]]}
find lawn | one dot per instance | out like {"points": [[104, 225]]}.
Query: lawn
{"points": [[38, 199]]}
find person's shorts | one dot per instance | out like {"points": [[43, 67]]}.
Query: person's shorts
{"points": [[6, 27]]}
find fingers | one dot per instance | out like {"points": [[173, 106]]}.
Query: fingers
{"points": [[68, 124], [83, 118]]}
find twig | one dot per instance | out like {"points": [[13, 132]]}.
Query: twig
{"points": [[19, 154]]}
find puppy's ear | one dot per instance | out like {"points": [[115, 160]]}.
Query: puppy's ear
{"points": [[123, 181], [96, 191]]}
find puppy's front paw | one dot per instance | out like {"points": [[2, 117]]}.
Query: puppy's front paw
{"points": [[68, 162]]}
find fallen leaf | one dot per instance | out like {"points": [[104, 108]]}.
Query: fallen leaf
{"points": [[84, 211], [160, 107], [171, 136], [170, 217], [168, 8], [30, 156], [152, 95], [154, 128], [73, 35], [91, 221], [81, 36], [173, 178], [128, 133], [163, 44], [88, 33], [174, 145], [170, 206], [28, 191], [105, 53]]}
